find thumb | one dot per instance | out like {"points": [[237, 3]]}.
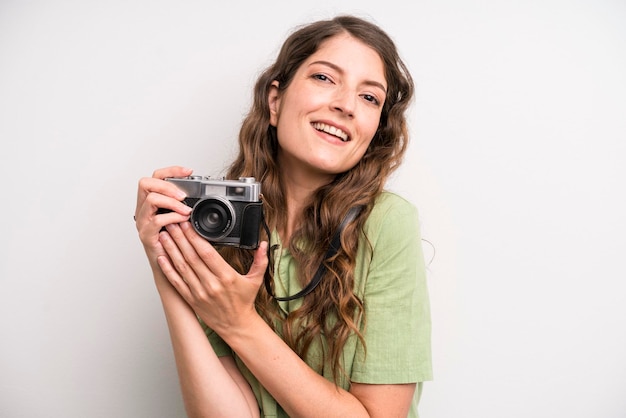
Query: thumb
{"points": [[259, 265]]}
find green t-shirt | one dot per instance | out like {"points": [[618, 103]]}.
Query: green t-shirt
{"points": [[391, 281]]}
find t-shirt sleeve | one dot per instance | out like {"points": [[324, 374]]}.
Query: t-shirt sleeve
{"points": [[397, 313]]}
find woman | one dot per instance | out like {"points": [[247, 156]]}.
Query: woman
{"points": [[326, 129]]}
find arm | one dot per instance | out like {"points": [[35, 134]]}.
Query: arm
{"points": [[304, 393], [385, 400], [211, 386], [225, 302]]}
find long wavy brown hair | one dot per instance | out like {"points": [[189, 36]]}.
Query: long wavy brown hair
{"points": [[332, 312]]}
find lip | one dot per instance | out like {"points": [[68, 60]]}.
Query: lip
{"points": [[333, 125]]}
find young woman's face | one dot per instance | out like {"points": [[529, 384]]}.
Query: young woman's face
{"points": [[329, 113]]}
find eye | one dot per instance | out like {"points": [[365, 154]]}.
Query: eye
{"points": [[321, 77], [371, 98]]}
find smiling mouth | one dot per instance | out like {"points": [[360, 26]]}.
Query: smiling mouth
{"points": [[331, 130]]}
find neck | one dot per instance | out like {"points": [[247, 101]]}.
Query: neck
{"points": [[298, 193]]}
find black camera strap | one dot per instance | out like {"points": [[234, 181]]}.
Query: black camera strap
{"points": [[335, 244]]}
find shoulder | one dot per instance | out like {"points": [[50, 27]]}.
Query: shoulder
{"points": [[391, 213], [390, 203]]}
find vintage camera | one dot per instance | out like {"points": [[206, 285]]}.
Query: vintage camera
{"points": [[226, 212]]}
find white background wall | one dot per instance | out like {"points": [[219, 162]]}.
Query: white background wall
{"points": [[519, 132]]}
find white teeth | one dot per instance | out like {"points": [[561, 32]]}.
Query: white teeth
{"points": [[331, 130]]}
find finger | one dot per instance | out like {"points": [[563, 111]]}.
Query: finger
{"points": [[209, 255], [260, 262], [154, 194], [173, 171], [149, 185], [187, 258], [155, 184], [180, 270], [156, 201], [150, 218], [175, 279]]}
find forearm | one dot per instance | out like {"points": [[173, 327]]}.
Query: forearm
{"points": [[208, 388], [296, 387]]}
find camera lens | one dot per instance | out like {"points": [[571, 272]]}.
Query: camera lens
{"points": [[213, 218]]}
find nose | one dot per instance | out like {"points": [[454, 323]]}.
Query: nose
{"points": [[344, 101]]}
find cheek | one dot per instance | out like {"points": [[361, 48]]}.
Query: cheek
{"points": [[376, 120], [358, 153], [369, 130], [363, 150]]}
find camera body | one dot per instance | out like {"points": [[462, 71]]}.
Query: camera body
{"points": [[225, 212]]}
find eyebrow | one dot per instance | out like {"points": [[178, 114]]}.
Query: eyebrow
{"points": [[339, 69]]}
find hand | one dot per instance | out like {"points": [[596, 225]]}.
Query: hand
{"points": [[154, 193], [220, 296]]}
